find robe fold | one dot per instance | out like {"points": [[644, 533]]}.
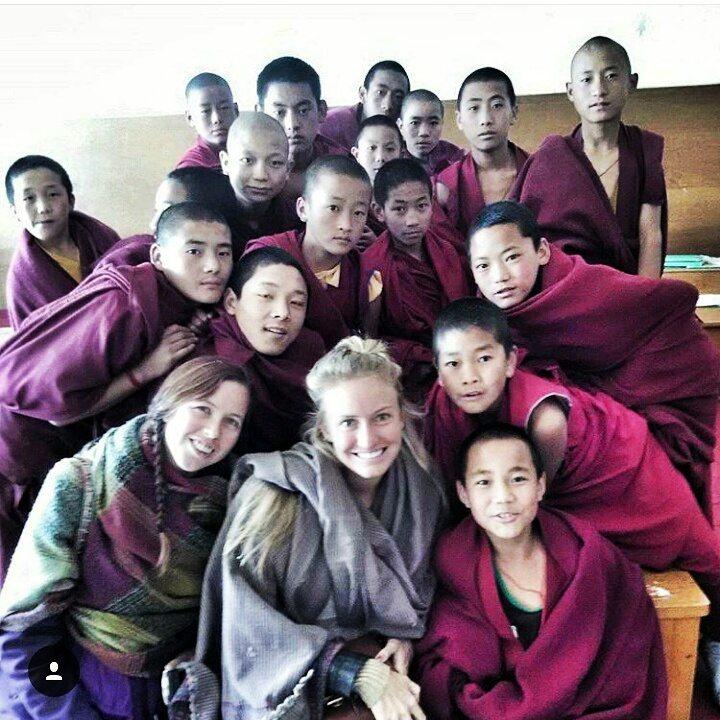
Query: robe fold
{"points": [[414, 293], [134, 250], [638, 340], [466, 196], [342, 124], [36, 279], [442, 155], [564, 192], [615, 475], [201, 154], [280, 217], [279, 401], [333, 312], [598, 654], [61, 361]]}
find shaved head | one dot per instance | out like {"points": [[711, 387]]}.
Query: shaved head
{"points": [[248, 124], [602, 43]]}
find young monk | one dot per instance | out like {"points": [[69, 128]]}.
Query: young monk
{"points": [[637, 339], [420, 268], [210, 111], [93, 353], [261, 329], [321, 548], [58, 244], [382, 93], [600, 192], [537, 614], [289, 90], [344, 296], [110, 564], [486, 109], [257, 164], [603, 465], [421, 124]]}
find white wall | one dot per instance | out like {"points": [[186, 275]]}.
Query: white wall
{"points": [[82, 61]]}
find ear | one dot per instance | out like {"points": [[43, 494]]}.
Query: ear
{"points": [[71, 201], [230, 301], [379, 212], [514, 115], [15, 213], [458, 121], [354, 151], [224, 160], [633, 81], [189, 120], [322, 110], [512, 363], [543, 252], [236, 108], [399, 123], [569, 91], [462, 493], [362, 94], [542, 487], [301, 208], [156, 256], [258, 107]]}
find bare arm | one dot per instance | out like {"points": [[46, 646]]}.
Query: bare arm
{"points": [[548, 429], [650, 256], [442, 193]]}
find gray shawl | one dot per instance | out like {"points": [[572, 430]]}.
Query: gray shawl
{"points": [[345, 572]]}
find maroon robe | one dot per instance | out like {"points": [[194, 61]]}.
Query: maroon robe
{"points": [[615, 475], [598, 653], [342, 124], [561, 188], [279, 401], [280, 217], [466, 196], [442, 155], [134, 250], [201, 154], [60, 362], [414, 293], [333, 312], [35, 279], [638, 340]]}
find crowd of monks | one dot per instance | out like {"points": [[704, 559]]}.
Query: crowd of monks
{"points": [[403, 236]]}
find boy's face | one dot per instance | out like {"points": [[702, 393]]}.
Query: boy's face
{"points": [[421, 124], [505, 264], [42, 204], [473, 368], [211, 111], [271, 308], [385, 94], [501, 488], [196, 259], [375, 147], [257, 165], [600, 85], [335, 212], [294, 106], [485, 115], [170, 192], [407, 213]]}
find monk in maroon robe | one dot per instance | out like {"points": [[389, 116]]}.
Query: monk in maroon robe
{"points": [[85, 359]]}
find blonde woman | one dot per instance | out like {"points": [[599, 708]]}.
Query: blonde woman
{"points": [[324, 544]]}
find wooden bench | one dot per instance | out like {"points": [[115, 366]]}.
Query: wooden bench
{"points": [[679, 613], [707, 281]]}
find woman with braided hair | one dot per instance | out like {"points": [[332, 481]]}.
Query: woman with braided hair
{"points": [[110, 564]]}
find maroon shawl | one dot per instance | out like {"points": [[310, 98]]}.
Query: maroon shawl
{"points": [[466, 196], [201, 154], [333, 312], [280, 402], [342, 124], [35, 279], [598, 654], [441, 156], [636, 339], [134, 250], [562, 189], [280, 217]]}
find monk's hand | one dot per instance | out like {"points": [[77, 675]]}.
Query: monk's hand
{"points": [[199, 321], [399, 701], [176, 343], [399, 653], [367, 238]]}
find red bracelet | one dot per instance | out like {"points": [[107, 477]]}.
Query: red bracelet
{"points": [[133, 380]]}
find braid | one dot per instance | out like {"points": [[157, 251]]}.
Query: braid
{"points": [[160, 494]]}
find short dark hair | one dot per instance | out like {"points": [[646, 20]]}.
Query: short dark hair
{"points": [[390, 66], [175, 215], [488, 74], [497, 431], [205, 79], [343, 165], [35, 162], [396, 172], [507, 212], [248, 265], [291, 70], [472, 312], [379, 121], [422, 96], [605, 43]]}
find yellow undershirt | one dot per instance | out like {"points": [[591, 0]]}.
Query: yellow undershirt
{"points": [[70, 266]]}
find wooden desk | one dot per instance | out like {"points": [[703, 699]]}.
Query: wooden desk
{"points": [[679, 614], [706, 280]]}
